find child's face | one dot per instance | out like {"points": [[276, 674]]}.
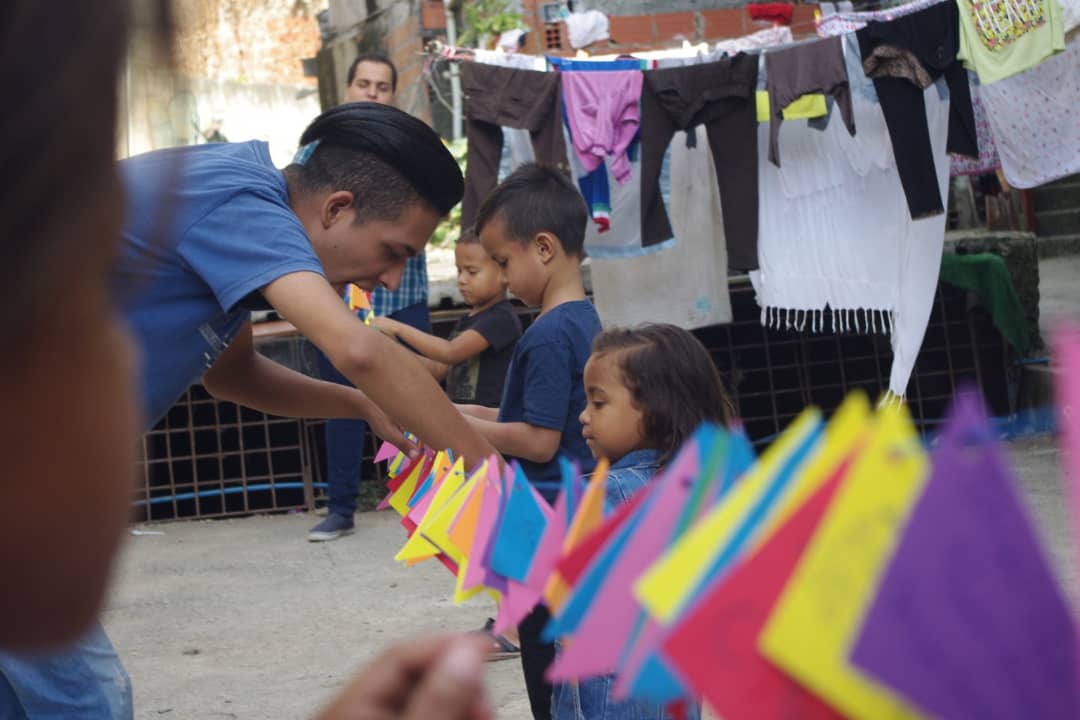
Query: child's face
{"points": [[611, 424], [478, 277], [522, 265]]}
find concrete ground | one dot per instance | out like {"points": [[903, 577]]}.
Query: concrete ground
{"points": [[246, 619]]}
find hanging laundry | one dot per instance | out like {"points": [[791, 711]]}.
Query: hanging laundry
{"points": [[1035, 120], [840, 23], [685, 283], [603, 115], [1000, 38], [585, 28], [780, 35], [988, 160], [803, 108], [496, 97], [816, 67], [595, 185], [616, 209], [848, 22], [889, 61], [837, 233], [719, 95], [932, 35]]}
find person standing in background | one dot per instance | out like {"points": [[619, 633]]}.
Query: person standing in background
{"points": [[372, 77]]}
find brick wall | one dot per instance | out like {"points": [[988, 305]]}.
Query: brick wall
{"points": [[659, 30], [256, 41]]}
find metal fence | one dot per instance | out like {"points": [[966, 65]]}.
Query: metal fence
{"points": [[213, 459]]}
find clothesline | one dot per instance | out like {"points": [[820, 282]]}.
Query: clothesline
{"points": [[813, 261]]}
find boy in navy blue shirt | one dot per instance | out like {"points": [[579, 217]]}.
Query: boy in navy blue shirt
{"points": [[533, 226]]}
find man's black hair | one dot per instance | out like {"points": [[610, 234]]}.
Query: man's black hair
{"points": [[374, 57], [535, 199], [386, 158]]}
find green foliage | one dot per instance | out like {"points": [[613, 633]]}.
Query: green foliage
{"points": [[448, 231], [487, 17]]}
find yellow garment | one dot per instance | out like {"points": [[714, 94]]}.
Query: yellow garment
{"points": [[807, 106], [1002, 38]]}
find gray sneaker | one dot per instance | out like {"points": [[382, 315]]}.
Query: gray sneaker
{"points": [[333, 527]]}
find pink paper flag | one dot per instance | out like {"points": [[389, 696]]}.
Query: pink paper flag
{"points": [[597, 647], [386, 452], [517, 602]]}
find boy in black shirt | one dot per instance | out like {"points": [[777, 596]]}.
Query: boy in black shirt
{"points": [[475, 358]]}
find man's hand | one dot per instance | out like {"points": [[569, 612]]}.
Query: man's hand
{"points": [[430, 679], [387, 429]]}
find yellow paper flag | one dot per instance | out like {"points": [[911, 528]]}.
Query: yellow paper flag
{"points": [[810, 633], [437, 527], [663, 589], [418, 546], [589, 516], [399, 500]]}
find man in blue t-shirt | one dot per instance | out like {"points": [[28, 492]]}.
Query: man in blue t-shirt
{"points": [[533, 226], [372, 77], [216, 231]]}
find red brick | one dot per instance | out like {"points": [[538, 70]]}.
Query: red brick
{"points": [[433, 15], [802, 21], [675, 26], [632, 29], [725, 23]]}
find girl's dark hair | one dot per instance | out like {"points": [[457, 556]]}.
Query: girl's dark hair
{"points": [[385, 157], [672, 379]]}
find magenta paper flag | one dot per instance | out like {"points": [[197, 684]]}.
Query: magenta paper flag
{"points": [[599, 641], [386, 452], [969, 620]]}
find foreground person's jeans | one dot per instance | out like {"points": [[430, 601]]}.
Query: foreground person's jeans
{"points": [[85, 680]]}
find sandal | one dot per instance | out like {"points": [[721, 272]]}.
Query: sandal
{"points": [[501, 648]]}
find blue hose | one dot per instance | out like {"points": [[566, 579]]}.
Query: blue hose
{"points": [[226, 491]]}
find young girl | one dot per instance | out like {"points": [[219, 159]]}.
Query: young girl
{"points": [[648, 389]]}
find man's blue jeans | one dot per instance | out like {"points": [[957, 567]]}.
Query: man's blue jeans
{"points": [[85, 681], [345, 438]]}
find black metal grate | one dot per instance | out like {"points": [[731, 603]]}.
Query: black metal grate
{"points": [[208, 458], [214, 459]]}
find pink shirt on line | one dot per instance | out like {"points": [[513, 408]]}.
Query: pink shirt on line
{"points": [[603, 112]]}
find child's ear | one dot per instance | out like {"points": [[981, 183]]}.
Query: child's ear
{"points": [[547, 246]]}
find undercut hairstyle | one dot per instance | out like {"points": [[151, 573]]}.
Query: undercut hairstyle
{"points": [[385, 157], [373, 57], [672, 379], [536, 199]]}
